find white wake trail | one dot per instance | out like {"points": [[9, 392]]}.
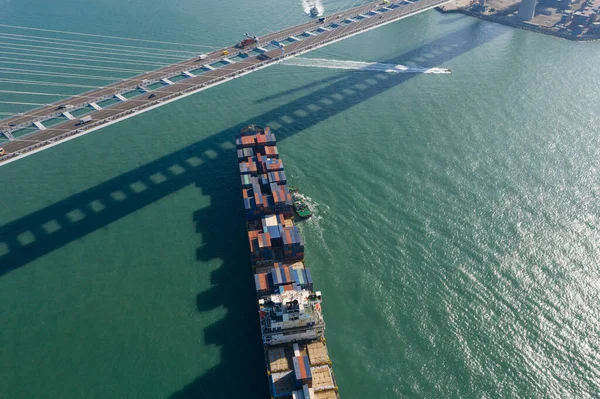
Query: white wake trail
{"points": [[307, 5], [362, 66]]}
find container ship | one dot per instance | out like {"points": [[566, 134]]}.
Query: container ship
{"points": [[291, 319]]}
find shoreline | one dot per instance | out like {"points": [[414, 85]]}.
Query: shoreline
{"points": [[504, 20]]}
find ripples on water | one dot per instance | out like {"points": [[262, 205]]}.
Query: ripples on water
{"points": [[455, 235]]}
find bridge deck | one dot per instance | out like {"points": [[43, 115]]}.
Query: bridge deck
{"points": [[369, 20]]}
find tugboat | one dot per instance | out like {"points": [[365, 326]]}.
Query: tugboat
{"points": [[314, 12], [300, 206]]}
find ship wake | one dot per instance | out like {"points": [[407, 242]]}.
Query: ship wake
{"points": [[308, 5], [362, 66]]}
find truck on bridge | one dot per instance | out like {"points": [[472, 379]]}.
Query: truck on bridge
{"points": [[84, 120], [249, 41]]}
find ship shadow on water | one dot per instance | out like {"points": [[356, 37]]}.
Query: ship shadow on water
{"points": [[240, 371]]}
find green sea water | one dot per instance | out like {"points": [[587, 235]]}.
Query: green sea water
{"points": [[456, 231]]}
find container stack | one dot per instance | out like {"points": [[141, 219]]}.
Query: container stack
{"points": [[262, 175], [302, 373], [287, 275], [293, 244], [271, 242], [264, 285]]}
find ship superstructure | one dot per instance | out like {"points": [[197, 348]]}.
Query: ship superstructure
{"points": [[291, 318]]}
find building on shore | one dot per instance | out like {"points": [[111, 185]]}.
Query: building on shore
{"points": [[526, 10]]}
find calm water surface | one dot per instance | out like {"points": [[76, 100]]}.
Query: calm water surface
{"points": [[456, 238]]}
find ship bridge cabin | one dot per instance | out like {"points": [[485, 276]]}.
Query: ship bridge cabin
{"points": [[291, 316]]}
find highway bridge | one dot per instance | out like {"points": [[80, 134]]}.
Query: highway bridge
{"points": [[60, 121]]}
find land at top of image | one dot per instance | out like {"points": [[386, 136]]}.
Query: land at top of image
{"points": [[570, 19]]}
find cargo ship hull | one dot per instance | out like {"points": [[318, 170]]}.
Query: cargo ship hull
{"points": [[291, 320]]}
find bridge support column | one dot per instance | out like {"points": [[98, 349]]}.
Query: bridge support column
{"points": [[9, 136], [167, 81], [95, 106], [188, 74], [68, 116], [39, 125], [120, 97]]}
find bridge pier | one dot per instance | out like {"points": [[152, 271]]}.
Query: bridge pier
{"points": [[9, 136]]}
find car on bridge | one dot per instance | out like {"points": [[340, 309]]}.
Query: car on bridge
{"points": [[152, 95]]}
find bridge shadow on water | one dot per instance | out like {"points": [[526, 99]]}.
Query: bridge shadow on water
{"points": [[241, 370]]}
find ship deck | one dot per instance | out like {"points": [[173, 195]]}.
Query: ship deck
{"points": [[280, 364]]}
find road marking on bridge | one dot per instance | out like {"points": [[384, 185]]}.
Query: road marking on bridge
{"points": [[39, 125], [95, 106]]}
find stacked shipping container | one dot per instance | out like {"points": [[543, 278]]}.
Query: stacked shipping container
{"points": [[262, 176], [283, 276]]}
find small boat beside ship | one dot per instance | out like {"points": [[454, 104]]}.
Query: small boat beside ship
{"points": [[301, 208]]}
